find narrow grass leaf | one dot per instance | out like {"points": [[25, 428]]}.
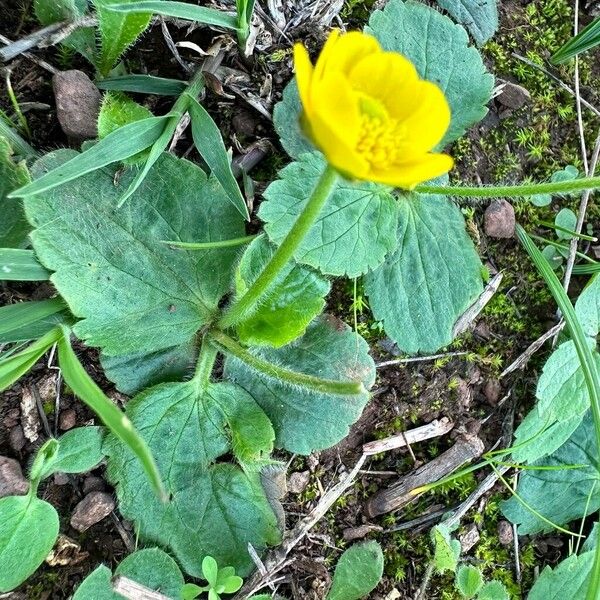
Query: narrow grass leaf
{"points": [[119, 145], [21, 265], [179, 10], [586, 39], [208, 141], [18, 144], [15, 316], [116, 421], [143, 84]]}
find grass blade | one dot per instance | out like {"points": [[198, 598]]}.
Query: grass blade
{"points": [[209, 143], [588, 365], [144, 84], [21, 265], [17, 143], [15, 316], [179, 10], [15, 366], [116, 421], [121, 144], [586, 39]]}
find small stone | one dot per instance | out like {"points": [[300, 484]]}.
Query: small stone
{"points": [[91, 510], [60, 479], [30, 418], [499, 219], [469, 538], [505, 533], [513, 95], [492, 391], [358, 533], [93, 483], [77, 104], [12, 482], [16, 438], [298, 481], [47, 388], [67, 419]]}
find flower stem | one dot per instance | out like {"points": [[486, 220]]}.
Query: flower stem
{"points": [[244, 305], [511, 191], [312, 383]]}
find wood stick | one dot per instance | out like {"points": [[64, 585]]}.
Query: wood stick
{"points": [[135, 591], [399, 495], [426, 432]]}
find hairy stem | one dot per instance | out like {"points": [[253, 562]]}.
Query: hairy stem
{"points": [[306, 219], [205, 364], [512, 191], [310, 382]]}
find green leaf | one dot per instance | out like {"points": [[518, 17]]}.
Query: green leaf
{"points": [[123, 143], [294, 299], [150, 567], [209, 143], [480, 17], [569, 173], [586, 39], [135, 294], [216, 508], [560, 494], [433, 277], [13, 225], [179, 10], [305, 421], [210, 570], [355, 230], [143, 84], [566, 219], [18, 321], [16, 365], [567, 581], [493, 590], [84, 388], [587, 307], [286, 119], [447, 550], [28, 530], [440, 51], [190, 591], [132, 373], [79, 451], [357, 573], [21, 265], [118, 31], [468, 580]]}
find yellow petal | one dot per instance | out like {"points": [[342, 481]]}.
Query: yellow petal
{"points": [[407, 175], [342, 52], [304, 73], [425, 127], [390, 78]]}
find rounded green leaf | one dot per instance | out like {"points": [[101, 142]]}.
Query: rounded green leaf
{"points": [[480, 17], [569, 580], [216, 508], [210, 570], [494, 590], [303, 420], [441, 53], [286, 119], [421, 289], [293, 300], [468, 580], [566, 219], [353, 233], [79, 450], [357, 573], [28, 530]]}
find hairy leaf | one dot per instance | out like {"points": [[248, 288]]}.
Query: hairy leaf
{"points": [[440, 51], [294, 299], [430, 280], [28, 530], [286, 119], [79, 451], [493, 590], [480, 17], [560, 494], [357, 572], [587, 307], [216, 508], [446, 550], [133, 293], [13, 225], [468, 580], [306, 421], [569, 580], [355, 230]]}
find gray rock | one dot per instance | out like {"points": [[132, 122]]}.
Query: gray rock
{"points": [[505, 533], [469, 538], [93, 484], [360, 532], [67, 419], [298, 481], [77, 104], [12, 482], [499, 219], [492, 391], [16, 438], [91, 510], [513, 95]]}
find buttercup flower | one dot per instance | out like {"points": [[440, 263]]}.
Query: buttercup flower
{"points": [[369, 112]]}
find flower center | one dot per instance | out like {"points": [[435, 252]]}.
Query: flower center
{"points": [[378, 138]]}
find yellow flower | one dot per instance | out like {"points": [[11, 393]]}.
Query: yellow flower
{"points": [[369, 112]]}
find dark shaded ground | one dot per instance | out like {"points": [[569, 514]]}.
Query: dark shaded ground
{"points": [[465, 388]]}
